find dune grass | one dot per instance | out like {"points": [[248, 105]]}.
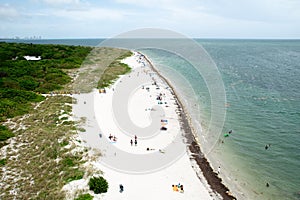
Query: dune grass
{"points": [[114, 70], [40, 161], [97, 65], [43, 154]]}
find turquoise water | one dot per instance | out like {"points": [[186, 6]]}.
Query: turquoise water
{"points": [[261, 79], [262, 84]]}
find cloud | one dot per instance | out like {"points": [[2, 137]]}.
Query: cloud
{"points": [[218, 18], [8, 13], [254, 10], [160, 4], [72, 11], [90, 14], [248, 10], [61, 2], [145, 3]]}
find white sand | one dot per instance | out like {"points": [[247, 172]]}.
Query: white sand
{"points": [[144, 174]]}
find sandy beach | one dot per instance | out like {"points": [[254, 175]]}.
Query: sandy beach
{"points": [[138, 127]]}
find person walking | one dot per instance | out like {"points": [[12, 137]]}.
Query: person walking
{"points": [[131, 142], [135, 142]]}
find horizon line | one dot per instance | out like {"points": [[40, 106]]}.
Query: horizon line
{"points": [[201, 38]]}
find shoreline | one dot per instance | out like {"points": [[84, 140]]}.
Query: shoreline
{"points": [[158, 173], [214, 181]]}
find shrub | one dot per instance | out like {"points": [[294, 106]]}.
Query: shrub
{"points": [[5, 133], [74, 174], [2, 162], [84, 197], [98, 185]]}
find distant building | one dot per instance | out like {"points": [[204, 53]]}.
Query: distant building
{"points": [[32, 57]]}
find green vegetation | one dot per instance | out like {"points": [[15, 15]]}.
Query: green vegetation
{"points": [[40, 76], [64, 143], [5, 133], [2, 162], [22, 80], [84, 197], [38, 163], [42, 166], [43, 156], [94, 66], [113, 71], [98, 185], [14, 102]]}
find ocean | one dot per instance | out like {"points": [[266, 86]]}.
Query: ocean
{"points": [[261, 79]]}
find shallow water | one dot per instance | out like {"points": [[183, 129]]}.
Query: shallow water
{"points": [[261, 78]]}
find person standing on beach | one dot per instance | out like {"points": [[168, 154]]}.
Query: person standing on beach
{"points": [[121, 188], [131, 142], [135, 142], [219, 170]]}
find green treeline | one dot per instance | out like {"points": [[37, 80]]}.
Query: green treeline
{"points": [[22, 80]]}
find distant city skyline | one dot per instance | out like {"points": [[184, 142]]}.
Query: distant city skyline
{"points": [[59, 19]]}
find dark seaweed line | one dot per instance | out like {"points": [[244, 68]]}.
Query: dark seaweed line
{"points": [[212, 178]]}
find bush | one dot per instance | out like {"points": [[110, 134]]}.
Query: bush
{"points": [[84, 197], [2, 162], [5, 133], [20, 79], [98, 185]]}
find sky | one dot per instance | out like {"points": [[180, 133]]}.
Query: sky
{"points": [[59, 19]]}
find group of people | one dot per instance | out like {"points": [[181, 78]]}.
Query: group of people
{"points": [[178, 188], [141, 59], [102, 91], [112, 138], [135, 141]]}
